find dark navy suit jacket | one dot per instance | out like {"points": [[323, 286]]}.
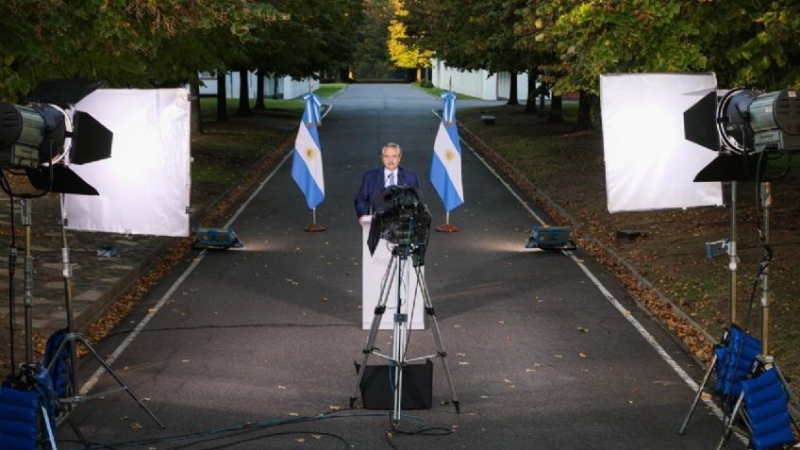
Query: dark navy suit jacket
{"points": [[373, 183]]}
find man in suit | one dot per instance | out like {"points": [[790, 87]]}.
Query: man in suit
{"points": [[376, 180]]}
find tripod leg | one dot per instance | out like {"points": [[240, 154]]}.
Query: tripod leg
{"points": [[369, 347], [437, 337], [697, 396], [118, 379], [399, 342]]}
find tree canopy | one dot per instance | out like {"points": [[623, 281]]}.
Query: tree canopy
{"points": [[143, 43], [573, 42], [406, 51], [744, 42]]}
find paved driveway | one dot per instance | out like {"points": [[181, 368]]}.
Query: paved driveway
{"points": [[546, 351]]}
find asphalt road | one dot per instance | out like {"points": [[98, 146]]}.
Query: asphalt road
{"points": [[254, 348]]}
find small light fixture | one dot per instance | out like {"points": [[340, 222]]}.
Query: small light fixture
{"points": [[551, 238]]}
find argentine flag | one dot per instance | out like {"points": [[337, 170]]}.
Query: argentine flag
{"points": [[446, 163], [307, 162]]}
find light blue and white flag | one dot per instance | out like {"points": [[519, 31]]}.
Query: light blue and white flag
{"points": [[446, 163], [307, 162]]}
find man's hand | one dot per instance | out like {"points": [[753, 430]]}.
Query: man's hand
{"points": [[363, 219]]}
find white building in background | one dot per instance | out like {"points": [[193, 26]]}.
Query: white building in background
{"points": [[478, 83], [278, 88]]}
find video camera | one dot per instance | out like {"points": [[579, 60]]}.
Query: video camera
{"points": [[401, 219]]}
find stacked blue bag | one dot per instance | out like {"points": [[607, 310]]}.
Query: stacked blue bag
{"points": [[736, 356], [27, 409]]}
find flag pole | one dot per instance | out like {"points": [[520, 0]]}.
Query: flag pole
{"points": [[314, 227], [307, 172], [447, 227]]}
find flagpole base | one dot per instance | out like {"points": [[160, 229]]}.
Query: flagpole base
{"points": [[447, 228], [314, 228]]}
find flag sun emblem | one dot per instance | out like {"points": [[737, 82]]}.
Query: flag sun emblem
{"points": [[310, 152]]}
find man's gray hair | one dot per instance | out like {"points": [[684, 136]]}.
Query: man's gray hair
{"points": [[392, 145]]}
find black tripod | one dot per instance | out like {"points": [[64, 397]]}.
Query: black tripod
{"points": [[396, 269], [73, 337]]}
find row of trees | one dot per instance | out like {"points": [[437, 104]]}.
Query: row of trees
{"points": [[145, 43], [568, 44], [564, 44]]}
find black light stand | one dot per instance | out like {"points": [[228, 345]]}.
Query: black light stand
{"points": [[72, 337], [25, 205], [764, 362], [733, 259]]}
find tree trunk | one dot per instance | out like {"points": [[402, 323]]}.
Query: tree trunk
{"points": [[513, 98], [556, 110], [260, 106], [530, 104], [196, 120], [584, 112], [222, 98], [244, 95]]}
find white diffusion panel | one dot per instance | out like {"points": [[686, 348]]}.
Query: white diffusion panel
{"points": [[649, 163], [145, 186]]}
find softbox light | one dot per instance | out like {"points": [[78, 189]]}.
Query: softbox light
{"points": [[649, 162], [144, 188]]}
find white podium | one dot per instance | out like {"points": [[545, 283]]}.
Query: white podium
{"points": [[373, 270]]}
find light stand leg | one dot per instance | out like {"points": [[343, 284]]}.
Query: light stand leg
{"points": [[697, 396], [437, 337], [730, 422], [69, 343], [131, 394]]}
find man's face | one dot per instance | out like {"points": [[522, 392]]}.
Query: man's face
{"points": [[390, 157]]}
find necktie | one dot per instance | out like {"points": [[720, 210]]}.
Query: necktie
{"points": [[390, 180]]}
